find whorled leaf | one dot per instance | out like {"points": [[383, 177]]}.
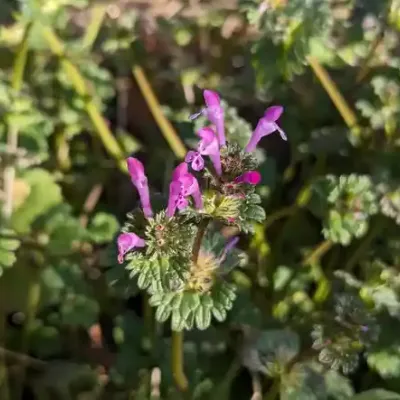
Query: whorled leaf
{"points": [[190, 309]]}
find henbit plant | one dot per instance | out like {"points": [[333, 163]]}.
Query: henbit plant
{"points": [[176, 251], [317, 286]]}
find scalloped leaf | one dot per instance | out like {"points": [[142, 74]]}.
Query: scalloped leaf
{"points": [[377, 394]]}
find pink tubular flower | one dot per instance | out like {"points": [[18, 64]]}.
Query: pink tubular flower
{"points": [[208, 146], [183, 184], [139, 179], [266, 125], [250, 177], [127, 242], [214, 113]]}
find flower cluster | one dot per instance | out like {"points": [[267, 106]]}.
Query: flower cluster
{"points": [[166, 250]]}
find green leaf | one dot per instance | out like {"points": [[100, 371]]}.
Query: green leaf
{"points": [[219, 313], [185, 307], [177, 322], [8, 245], [44, 194], [206, 300], [163, 312], [338, 386], [376, 394], [156, 299], [256, 213], [303, 383], [386, 362], [203, 318], [176, 300], [103, 227], [283, 344]]}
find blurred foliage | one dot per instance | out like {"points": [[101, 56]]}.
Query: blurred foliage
{"points": [[317, 306]]}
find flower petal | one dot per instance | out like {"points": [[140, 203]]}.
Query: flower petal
{"points": [[198, 163], [126, 242], [174, 192], [211, 98], [190, 156], [250, 177], [135, 168], [182, 203], [273, 113], [180, 170]]}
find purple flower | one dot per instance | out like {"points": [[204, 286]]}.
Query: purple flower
{"points": [[208, 146], [183, 185], [214, 113], [139, 179], [195, 159], [230, 244], [126, 242], [266, 125], [250, 177]]}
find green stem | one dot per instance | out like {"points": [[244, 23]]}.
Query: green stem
{"points": [[318, 252], [177, 361], [109, 142], [177, 337], [365, 243], [165, 126], [334, 93], [201, 230], [98, 13]]}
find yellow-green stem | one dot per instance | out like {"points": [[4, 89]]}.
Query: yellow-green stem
{"points": [[177, 361], [98, 12], [109, 142], [201, 230], [165, 126], [334, 93], [318, 252]]}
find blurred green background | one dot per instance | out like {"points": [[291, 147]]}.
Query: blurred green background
{"points": [[84, 84]]}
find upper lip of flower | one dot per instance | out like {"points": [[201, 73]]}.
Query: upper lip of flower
{"points": [[183, 184], [266, 125], [139, 179], [127, 242]]}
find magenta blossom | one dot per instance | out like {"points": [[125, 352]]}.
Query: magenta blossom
{"points": [[183, 184], [208, 146], [127, 242], [214, 112], [139, 179], [266, 125], [250, 177]]}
